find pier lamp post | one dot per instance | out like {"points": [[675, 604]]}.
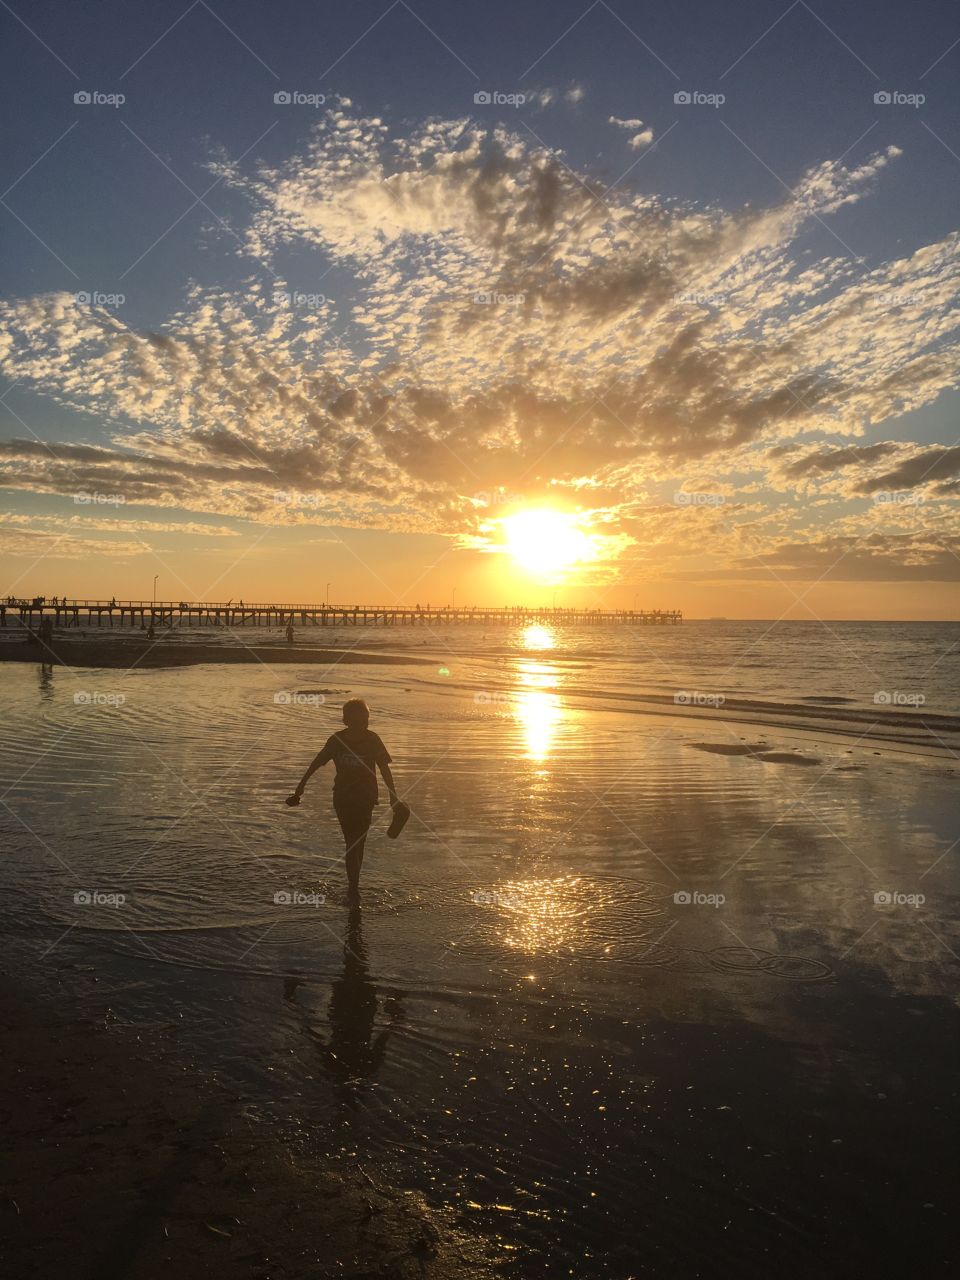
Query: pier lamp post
{"points": [[453, 602], [326, 598], [155, 577]]}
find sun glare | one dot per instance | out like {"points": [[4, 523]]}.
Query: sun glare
{"points": [[547, 543], [537, 636]]}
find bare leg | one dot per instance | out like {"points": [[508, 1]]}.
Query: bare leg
{"points": [[354, 858], [354, 824]]}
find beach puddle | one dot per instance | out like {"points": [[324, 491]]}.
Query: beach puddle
{"points": [[757, 751]]}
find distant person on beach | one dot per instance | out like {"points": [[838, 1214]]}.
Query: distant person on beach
{"points": [[357, 753], [289, 633]]}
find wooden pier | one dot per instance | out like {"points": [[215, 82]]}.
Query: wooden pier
{"points": [[63, 612]]}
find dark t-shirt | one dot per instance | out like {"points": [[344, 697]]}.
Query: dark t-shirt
{"points": [[356, 756]]}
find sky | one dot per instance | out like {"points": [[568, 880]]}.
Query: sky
{"points": [[610, 304]]}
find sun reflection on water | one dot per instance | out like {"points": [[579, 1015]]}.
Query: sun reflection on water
{"points": [[537, 636], [542, 915], [537, 707]]}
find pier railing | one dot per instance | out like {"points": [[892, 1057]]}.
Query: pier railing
{"points": [[64, 611]]}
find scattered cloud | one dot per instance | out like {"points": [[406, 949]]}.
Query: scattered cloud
{"points": [[511, 336], [640, 137]]}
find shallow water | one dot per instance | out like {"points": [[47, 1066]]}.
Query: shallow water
{"points": [[897, 666], [623, 992]]}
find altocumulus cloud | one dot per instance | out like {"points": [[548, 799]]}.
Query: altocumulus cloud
{"points": [[515, 329]]}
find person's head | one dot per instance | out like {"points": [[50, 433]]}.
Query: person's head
{"points": [[356, 714]]}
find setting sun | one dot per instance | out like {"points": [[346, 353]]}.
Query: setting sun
{"points": [[547, 543]]}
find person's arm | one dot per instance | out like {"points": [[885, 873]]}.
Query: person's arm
{"points": [[390, 784], [383, 759], [318, 761]]}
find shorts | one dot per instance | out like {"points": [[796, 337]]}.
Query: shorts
{"points": [[354, 817]]}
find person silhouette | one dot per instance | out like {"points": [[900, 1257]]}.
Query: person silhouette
{"points": [[357, 753]]}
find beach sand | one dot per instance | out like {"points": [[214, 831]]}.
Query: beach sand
{"points": [[119, 1161]]}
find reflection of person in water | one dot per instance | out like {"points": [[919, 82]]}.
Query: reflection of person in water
{"points": [[351, 1052], [46, 680]]}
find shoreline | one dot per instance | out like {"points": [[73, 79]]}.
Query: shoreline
{"points": [[153, 1167], [118, 654]]}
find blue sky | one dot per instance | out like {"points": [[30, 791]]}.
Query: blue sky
{"points": [[103, 199]]}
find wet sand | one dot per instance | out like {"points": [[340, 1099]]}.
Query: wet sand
{"points": [[630, 997], [119, 1161], [118, 654]]}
